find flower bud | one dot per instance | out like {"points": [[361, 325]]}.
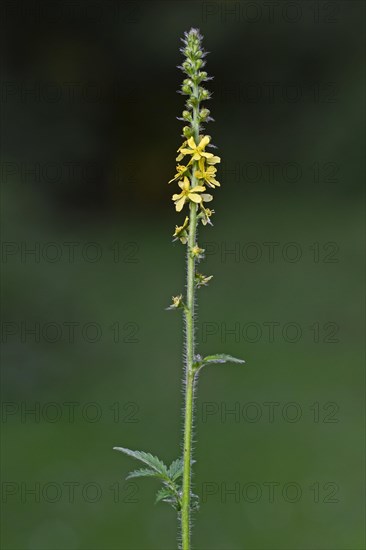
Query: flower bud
{"points": [[187, 116], [204, 113], [187, 131], [187, 67], [204, 94], [192, 102]]}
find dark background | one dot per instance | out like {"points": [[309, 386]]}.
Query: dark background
{"points": [[91, 359]]}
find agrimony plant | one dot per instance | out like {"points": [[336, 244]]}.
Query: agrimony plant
{"points": [[195, 174]]}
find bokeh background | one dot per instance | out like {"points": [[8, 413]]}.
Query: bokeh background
{"points": [[91, 359]]}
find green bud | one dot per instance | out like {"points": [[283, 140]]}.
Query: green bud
{"points": [[188, 67], [204, 113], [187, 131], [192, 102], [203, 94], [194, 60], [187, 116]]}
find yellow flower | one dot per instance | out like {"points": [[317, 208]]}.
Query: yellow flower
{"points": [[197, 151], [177, 302], [181, 170], [205, 215], [189, 194], [207, 174], [181, 232]]}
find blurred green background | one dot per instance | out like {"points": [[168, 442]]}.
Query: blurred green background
{"points": [[89, 140]]}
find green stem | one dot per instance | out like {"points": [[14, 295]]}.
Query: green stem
{"points": [[190, 352], [189, 384]]}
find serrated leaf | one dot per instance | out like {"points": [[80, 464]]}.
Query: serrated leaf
{"points": [[143, 472], [176, 469], [152, 461], [163, 494]]}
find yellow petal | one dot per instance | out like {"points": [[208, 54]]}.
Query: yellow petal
{"points": [[194, 197], [198, 189], [179, 204], [198, 175], [214, 160], [185, 183], [204, 141], [186, 151], [177, 197], [201, 164], [206, 155], [192, 143]]}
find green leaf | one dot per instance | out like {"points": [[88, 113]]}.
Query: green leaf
{"points": [[165, 495], [152, 461], [143, 472], [176, 469], [217, 358], [170, 491], [221, 358]]}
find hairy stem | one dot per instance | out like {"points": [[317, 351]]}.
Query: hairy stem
{"points": [[190, 352], [189, 386]]}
